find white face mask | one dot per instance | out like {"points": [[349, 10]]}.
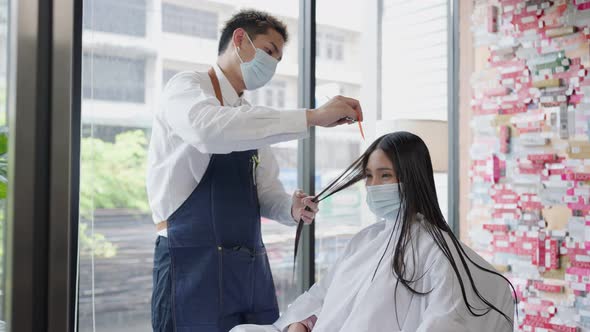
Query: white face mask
{"points": [[384, 200], [258, 71]]}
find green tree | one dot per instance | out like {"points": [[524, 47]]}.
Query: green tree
{"points": [[113, 174], [112, 177], [94, 242]]}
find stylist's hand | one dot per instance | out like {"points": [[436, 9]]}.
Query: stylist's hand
{"points": [[300, 201], [334, 112]]}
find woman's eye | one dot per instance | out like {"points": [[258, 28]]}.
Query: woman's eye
{"points": [[368, 176], [386, 175], [268, 52]]}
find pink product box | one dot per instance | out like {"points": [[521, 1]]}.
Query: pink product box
{"points": [[541, 286]]}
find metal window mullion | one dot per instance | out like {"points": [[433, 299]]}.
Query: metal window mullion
{"points": [[41, 214], [28, 161], [64, 164], [306, 150], [453, 115]]}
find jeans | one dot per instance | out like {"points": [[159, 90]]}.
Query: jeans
{"points": [[161, 294]]}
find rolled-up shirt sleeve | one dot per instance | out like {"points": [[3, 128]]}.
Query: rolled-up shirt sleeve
{"points": [[201, 121]]}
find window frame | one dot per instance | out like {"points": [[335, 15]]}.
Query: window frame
{"points": [[197, 29], [138, 93], [141, 33], [44, 99]]}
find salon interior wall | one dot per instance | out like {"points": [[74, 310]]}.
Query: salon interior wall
{"points": [[524, 124]]}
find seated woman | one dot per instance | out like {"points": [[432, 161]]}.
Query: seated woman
{"points": [[407, 272]]}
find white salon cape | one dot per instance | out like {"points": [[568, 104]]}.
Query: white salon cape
{"points": [[346, 300]]}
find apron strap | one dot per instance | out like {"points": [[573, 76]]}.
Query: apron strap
{"points": [[216, 86]]}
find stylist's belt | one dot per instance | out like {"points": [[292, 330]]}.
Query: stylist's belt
{"points": [[162, 225]]}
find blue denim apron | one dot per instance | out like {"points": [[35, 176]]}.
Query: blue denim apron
{"points": [[219, 274], [219, 269]]}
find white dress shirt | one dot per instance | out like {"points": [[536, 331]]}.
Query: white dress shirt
{"points": [[348, 299], [191, 125]]}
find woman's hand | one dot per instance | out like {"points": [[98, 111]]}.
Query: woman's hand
{"points": [[297, 327], [304, 326]]}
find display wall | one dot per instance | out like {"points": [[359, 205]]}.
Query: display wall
{"points": [[525, 122]]}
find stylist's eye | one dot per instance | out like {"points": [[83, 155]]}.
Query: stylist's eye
{"points": [[269, 52], [368, 176], [386, 175]]}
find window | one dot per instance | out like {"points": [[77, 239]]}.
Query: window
{"points": [[281, 98], [122, 17], [116, 232], [274, 95], [330, 46], [318, 46], [341, 216], [420, 30], [338, 52], [253, 97], [189, 21], [269, 100], [116, 229], [167, 74], [113, 78]]}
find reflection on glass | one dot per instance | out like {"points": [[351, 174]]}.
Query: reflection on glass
{"points": [[130, 50]]}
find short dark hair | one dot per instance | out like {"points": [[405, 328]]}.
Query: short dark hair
{"points": [[254, 22]]}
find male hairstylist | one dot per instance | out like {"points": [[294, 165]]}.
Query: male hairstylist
{"points": [[212, 175]]}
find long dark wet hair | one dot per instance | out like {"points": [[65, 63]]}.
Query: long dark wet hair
{"points": [[413, 167]]}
